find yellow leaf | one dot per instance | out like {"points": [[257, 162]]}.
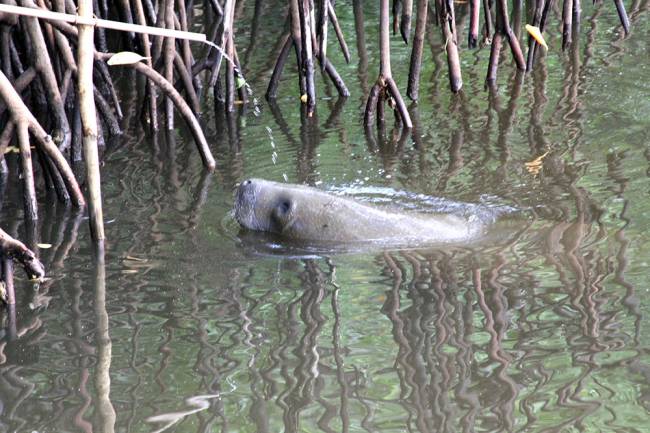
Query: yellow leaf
{"points": [[538, 160], [303, 98], [536, 34], [535, 166], [13, 149], [44, 246], [125, 58]]}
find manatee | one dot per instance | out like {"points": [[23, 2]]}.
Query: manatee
{"points": [[306, 214]]}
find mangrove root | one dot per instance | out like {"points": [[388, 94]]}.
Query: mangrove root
{"points": [[385, 89]]}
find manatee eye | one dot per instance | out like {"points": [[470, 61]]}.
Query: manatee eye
{"points": [[281, 215]]}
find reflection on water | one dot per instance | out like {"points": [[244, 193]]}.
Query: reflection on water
{"points": [[182, 329]]}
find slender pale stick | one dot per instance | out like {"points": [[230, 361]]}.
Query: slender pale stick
{"points": [[106, 24], [112, 25]]}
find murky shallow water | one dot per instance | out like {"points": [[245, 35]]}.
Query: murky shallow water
{"points": [[547, 332]]}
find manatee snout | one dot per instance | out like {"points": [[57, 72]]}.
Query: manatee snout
{"points": [[245, 199], [264, 206]]}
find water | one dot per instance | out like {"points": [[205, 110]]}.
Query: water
{"points": [[546, 332]]}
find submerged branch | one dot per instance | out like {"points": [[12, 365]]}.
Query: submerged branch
{"points": [[17, 251]]}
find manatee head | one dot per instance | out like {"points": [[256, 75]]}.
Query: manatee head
{"points": [[265, 206]]}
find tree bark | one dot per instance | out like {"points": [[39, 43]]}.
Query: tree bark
{"points": [[85, 86]]}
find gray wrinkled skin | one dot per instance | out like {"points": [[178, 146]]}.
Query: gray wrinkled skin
{"points": [[303, 213]]}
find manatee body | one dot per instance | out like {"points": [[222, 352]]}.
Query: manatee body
{"points": [[303, 213]]}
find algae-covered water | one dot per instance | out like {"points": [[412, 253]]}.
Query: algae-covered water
{"points": [[189, 328]]}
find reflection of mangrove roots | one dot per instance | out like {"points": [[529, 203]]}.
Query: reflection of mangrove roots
{"points": [[385, 88]]}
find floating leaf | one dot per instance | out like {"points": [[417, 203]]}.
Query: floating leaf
{"points": [[303, 98], [125, 58], [44, 246], [536, 34], [535, 166], [136, 259], [240, 82]]}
